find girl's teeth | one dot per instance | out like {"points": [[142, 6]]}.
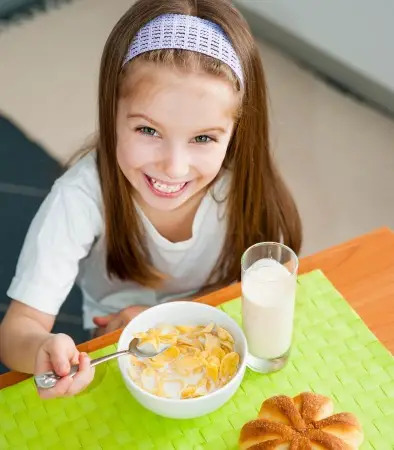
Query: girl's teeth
{"points": [[166, 188]]}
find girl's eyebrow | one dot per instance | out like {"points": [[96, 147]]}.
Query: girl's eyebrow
{"points": [[143, 116], [207, 130], [156, 124]]}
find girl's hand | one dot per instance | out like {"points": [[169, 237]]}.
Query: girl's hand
{"points": [[58, 353], [112, 322]]}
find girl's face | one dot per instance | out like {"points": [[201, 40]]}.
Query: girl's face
{"points": [[173, 129]]}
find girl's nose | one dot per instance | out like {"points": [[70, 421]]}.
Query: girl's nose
{"points": [[176, 163]]}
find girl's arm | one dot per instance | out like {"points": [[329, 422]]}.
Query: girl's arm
{"points": [[22, 332]]}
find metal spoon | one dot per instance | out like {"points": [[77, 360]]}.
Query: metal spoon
{"points": [[48, 380]]}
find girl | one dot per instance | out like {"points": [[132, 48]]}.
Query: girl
{"points": [[179, 183]]}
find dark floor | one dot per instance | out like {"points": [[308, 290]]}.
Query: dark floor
{"points": [[26, 175], [11, 10]]}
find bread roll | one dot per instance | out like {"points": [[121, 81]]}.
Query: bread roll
{"points": [[304, 422]]}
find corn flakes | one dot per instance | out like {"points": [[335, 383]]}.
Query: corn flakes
{"points": [[199, 360]]}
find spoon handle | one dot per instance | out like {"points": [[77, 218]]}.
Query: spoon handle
{"points": [[96, 361], [48, 380]]}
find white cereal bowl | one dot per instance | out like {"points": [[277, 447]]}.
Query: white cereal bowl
{"points": [[183, 313]]}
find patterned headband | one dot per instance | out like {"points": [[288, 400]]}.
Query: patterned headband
{"points": [[185, 32]]}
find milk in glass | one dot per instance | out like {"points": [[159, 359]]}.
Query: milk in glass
{"points": [[268, 296]]}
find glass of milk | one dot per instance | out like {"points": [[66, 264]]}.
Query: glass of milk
{"points": [[269, 278]]}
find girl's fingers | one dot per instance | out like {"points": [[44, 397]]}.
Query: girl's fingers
{"points": [[60, 390], [129, 313], [84, 376], [75, 358], [60, 362], [67, 385], [103, 321], [61, 352], [116, 323]]}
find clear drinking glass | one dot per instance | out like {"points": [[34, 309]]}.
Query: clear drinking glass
{"points": [[269, 278]]}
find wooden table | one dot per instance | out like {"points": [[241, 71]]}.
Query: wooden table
{"points": [[361, 269]]}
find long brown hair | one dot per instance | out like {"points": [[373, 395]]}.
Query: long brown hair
{"points": [[259, 206]]}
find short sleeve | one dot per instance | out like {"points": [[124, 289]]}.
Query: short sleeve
{"points": [[60, 235]]}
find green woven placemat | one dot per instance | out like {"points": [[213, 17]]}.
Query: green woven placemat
{"points": [[334, 354]]}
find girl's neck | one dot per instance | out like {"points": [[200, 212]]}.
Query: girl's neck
{"points": [[175, 225]]}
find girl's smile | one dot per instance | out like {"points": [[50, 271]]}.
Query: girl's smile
{"points": [[165, 189]]}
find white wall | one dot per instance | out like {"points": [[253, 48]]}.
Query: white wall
{"points": [[358, 33]]}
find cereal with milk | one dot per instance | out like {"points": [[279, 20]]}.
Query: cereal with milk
{"points": [[200, 360]]}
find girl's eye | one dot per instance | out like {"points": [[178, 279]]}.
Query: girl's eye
{"points": [[147, 131], [203, 139]]}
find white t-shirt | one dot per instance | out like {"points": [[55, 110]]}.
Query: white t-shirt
{"points": [[65, 243]]}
